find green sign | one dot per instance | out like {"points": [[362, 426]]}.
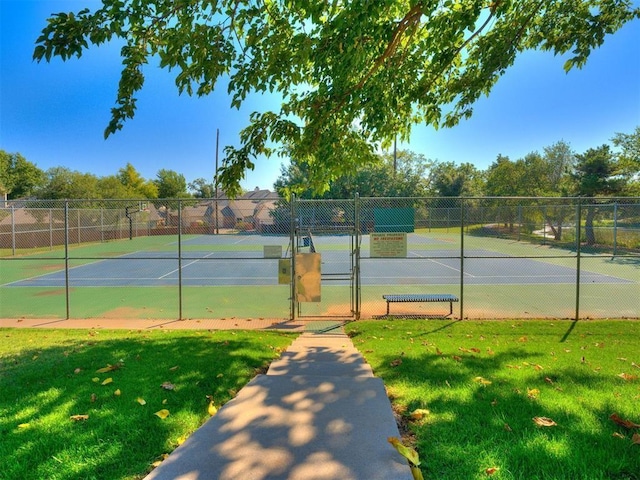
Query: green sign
{"points": [[394, 220]]}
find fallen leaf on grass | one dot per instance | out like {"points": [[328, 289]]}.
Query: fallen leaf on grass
{"points": [[627, 377], [24, 425], [168, 386], [491, 471], [158, 462], [79, 418], [419, 413], [77, 371], [457, 358], [94, 397], [396, 362], [533, 393], [544, 422], [107, 381], [548, 380], [211, 409], [141, 401], [615, 418], [173, 369], [164, 413], [507, 427], [117, 393], [635, 440], [407, 452], [482, 381], [95, 379], [109, 368]]}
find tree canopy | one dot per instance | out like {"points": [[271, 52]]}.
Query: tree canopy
{"points": [[401, 176], [352, 75], [18, 176]]}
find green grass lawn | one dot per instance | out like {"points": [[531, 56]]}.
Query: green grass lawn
{"points": [[483, 383], [475, 386], [48, 376]]}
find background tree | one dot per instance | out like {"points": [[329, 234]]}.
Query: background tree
{"points": [[63, 183], [202, 189], [629, 160], [560, 160], [446, 179], [385, 177], [131, 178], [171, 187], [171, 184], [351, 79], [19, 178], [596, 174], [110, 187]]}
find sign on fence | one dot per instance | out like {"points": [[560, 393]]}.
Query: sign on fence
{"points": [[388, 245]]}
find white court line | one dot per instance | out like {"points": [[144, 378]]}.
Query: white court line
{"points": [[442, 264], [183, 266]]}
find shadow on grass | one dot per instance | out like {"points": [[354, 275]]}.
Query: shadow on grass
{"points": [[572, 325], [121, 438], [482, 406]]}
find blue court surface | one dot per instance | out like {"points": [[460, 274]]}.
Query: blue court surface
{"points": [[220, 268]]}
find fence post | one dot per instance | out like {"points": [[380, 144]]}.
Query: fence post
{"points": [[578, 242], [462, 204], [519, 221], [179, 259], [292, 241], [356, 212], [13, 230], [66, 256], [615, 227], [544, 225], [50, 228]]}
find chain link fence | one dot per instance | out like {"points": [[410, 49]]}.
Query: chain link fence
{"points": [[262, 257]]}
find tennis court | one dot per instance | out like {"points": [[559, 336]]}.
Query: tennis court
{"points": [[427, 263], [501, 257]]}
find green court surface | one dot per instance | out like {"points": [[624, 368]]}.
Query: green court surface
{"points": [[504, 286]]}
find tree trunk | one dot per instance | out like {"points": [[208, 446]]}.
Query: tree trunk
{"points": [[557, 232]]}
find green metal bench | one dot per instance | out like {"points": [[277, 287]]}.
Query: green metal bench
{"points": [[417, 297]]}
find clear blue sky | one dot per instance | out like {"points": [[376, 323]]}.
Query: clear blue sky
{"points": [[55, 114]]}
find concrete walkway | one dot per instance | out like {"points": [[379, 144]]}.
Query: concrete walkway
{"points": [[318, 414]]}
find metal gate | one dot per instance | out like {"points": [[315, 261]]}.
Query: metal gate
{"points": [[325, 259]]}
